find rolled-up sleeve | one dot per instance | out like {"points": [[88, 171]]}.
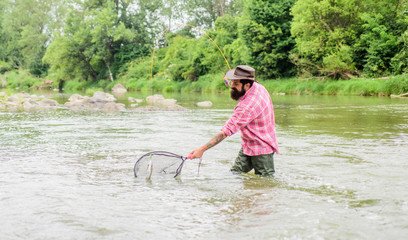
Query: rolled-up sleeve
{"points": [[240, 118]]}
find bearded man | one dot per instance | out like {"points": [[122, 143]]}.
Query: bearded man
{"points": [[254, 117]]}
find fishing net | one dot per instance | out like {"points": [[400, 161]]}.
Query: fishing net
{"points": [[159, 163]]}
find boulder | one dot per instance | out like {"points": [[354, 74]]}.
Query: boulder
{"points": [[204, 104], [76, 97], [100, 101], [102, 97], [113, 107], [158, 102], [31, 105], [12, 99], [155, 99], [48, 103], [405, 95], [161, 108], [119, 89], [23, 95], [25, 101]]}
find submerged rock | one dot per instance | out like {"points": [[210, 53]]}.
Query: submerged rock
{"points": [[24, 101], [204, 104], [161, 108], [48, 102], [132, 99], [99, 101], [119, 89], [405, 95], [158, 102]]}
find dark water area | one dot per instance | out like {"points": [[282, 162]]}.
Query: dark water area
{"points": [[342, 173]]}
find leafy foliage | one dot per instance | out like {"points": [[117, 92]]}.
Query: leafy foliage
{"points": [[324, 30], [346, 36], [265, 30], [89, 43]]}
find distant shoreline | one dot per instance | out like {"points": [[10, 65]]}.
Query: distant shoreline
{"points": [[382, 87]]}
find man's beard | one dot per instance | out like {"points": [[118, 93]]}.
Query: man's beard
{"points": [[235, 94]]}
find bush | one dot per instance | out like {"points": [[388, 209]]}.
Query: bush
{"points": [[4, 67], [76, 85], [396, 85], [21, 79], [317, 87], [332, 88]]}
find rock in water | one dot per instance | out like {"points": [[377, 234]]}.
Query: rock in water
{"points": [[99, 101], [158, 102], [119, 89], [204, 104], [405, 95]]}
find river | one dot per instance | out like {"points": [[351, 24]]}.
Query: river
{"points": [[341, 174]]}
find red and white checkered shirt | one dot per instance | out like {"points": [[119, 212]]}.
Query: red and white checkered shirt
{"points": [[254, 116]]}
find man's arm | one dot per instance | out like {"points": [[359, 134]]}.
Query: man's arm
{"points": [[198, 153]]}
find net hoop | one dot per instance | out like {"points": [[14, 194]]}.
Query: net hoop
{"points": [[166, 154]]}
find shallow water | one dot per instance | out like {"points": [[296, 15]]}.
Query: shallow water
{"points": [[342, 173]]}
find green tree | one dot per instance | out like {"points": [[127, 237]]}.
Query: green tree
{"points": [[324, 30], [186, 58], [340, 38], [107, 33], [399, 62], [377, 44], [265, 30], [204, 13], [227, 37], [26, 30], [380, 39], [2, 36], [99, 38]]}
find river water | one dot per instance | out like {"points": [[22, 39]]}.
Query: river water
{"points": [[342, 173]]}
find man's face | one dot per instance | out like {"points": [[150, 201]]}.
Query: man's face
{"points": [[237, 90]]}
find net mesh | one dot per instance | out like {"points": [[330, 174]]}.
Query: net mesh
{"points": [[158, 163]]}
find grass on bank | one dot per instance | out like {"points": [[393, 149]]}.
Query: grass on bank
{"points": [[213, 83], [352, 87]]}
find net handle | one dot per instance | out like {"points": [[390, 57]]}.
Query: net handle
{"points": [[178, 171]]}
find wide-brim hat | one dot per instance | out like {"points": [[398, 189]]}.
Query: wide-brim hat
{"points": [[241, 72]]}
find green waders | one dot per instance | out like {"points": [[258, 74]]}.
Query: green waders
{"points": [[262, 164]]}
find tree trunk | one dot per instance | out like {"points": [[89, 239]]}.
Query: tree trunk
{"points": [[110, 73]]}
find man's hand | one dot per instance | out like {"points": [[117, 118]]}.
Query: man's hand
{"points": [[197, 153]]}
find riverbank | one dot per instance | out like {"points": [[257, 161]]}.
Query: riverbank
{"points": [[212, 83], [388, 86]]}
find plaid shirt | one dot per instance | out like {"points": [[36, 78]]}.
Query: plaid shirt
{"points": [[254, 116]]}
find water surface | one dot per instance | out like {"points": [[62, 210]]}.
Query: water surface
{"points": [[341, 173]]}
